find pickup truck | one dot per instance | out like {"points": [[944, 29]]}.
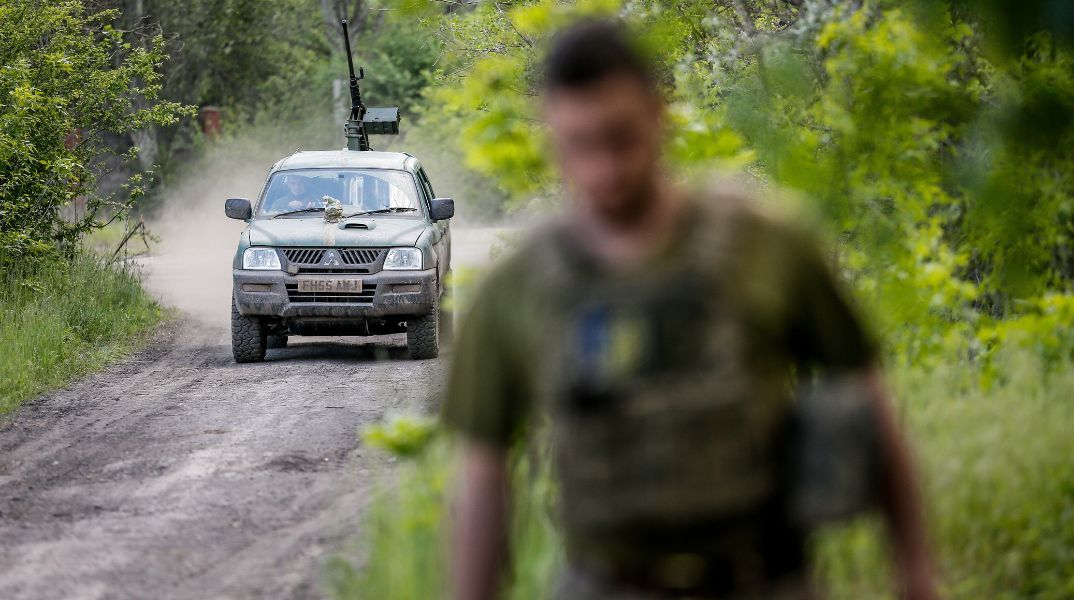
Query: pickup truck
{"points": [[342, 243]]}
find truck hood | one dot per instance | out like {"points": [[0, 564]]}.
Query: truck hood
{"points": [[314, 231]]}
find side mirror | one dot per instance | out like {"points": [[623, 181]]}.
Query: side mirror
{"points": [[442, 208], [238, 208]]}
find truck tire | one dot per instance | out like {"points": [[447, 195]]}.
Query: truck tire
{"points": [[423, 334], [249, 337], [277, 341]]}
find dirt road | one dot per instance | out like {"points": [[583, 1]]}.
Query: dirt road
{"points": [[179, 474]]}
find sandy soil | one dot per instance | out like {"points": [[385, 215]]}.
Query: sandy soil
{"points": [[179, 474]]}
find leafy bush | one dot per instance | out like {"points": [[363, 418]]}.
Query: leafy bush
{"points": [[67, 79], [399, 60]]}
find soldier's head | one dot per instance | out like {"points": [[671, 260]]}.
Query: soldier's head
{"points": [[295, 184], [605, 117]]}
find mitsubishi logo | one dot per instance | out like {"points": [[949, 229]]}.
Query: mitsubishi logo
{"points": [[331, 259]]}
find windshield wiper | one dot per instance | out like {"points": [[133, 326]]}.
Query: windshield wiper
{"points": [[382, 211], [301, 210]]}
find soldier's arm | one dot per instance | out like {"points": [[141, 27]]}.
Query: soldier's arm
{"points": [[826, 332], [488, 398], [479, 539], [901, 500]]}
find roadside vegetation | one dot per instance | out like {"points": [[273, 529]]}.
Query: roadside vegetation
{"points": [[68, 319], [69, 79]]}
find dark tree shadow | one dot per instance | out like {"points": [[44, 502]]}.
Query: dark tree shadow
{"points": [[356, 349]]}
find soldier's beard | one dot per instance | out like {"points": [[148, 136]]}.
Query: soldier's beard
{"points": [[630, 207]]}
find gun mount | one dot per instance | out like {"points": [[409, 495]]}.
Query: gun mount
{"points": [[365, 121]]}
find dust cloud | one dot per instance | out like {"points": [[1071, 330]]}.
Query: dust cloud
{"points": [[190, 269]]}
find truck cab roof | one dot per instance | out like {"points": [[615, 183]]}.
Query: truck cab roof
{"points": [[336, 159]]}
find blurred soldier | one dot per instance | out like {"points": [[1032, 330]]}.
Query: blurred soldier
{"points": [[658, 329]]}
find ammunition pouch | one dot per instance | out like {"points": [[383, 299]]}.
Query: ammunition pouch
{"points": [[833, 451]]}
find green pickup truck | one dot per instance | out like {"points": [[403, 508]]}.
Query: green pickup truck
{"points": [[341, 243]]}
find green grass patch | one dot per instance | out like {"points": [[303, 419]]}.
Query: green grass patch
{"points": [[64, 320], [998, 475]]}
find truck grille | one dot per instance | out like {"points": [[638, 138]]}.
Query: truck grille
{"points": [[363, 297], [360, 256], [349, 256], [304, 256]]}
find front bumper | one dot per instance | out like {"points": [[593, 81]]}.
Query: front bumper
{"points": [[386, 293]]}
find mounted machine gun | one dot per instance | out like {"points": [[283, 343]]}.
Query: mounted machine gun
{"points": [[363, 121]]}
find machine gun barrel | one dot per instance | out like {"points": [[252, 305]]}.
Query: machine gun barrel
{"points": [[357, 108]]}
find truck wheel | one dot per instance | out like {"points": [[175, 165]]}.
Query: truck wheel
{"points": [[248, 337], [277, 341], [423, 335]]}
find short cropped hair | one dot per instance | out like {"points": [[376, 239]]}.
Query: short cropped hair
{"points": [[592, 50]]}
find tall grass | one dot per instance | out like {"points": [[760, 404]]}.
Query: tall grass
{"points": [[999, 474], [66, 319], [406, 534], [998, 464]]}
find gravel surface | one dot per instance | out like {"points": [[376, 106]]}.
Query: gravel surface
{"points": [[180, 474]]}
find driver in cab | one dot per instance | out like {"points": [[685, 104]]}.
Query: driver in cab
{"points": [[297, 195]]}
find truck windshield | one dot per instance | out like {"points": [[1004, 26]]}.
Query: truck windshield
{"points": [[359, 190]]}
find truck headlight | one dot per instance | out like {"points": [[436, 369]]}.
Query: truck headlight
{"points": [[261, 259], [403, 259]]}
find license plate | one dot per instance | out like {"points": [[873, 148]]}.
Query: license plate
{"points": [[349, 285]]}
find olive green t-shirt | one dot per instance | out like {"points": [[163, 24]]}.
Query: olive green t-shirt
{"points": [[666, 385]]}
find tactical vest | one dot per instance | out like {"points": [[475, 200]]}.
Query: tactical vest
{"points": [[658, 418]]}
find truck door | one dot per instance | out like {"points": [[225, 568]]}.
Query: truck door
{"points": [[442, 233]]}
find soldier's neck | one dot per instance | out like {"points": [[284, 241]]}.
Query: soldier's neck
{"points": [[624, 245]]}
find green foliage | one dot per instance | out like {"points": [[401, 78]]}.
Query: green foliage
{"points": [[1042, 326], [402, 436], [869, 142], [251, 58], [407, 534], [62, 320], [405, 537], [399, 60], [67, 79], [478, 198], [264, 64]]}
